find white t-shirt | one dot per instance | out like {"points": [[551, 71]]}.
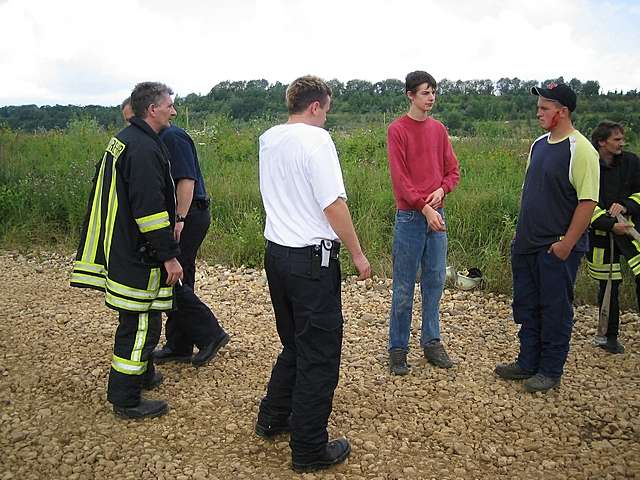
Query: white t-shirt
{"points": [[300, 176]]}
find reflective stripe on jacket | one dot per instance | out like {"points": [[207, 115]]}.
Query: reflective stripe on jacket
{"points": [[128, 229]]}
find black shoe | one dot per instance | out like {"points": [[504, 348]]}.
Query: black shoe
{"points": [[512, 371], [335, 452], [540, 383], [269, 430], [166, 354], [155, 382], [207, 352], [398, 361], [612, 346], [145, 409]]}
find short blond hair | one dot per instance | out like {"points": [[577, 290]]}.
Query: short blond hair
{"points": [[303, 91]]}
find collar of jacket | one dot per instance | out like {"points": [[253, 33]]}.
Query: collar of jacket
{"points": [[615, 161], [144, 126]]}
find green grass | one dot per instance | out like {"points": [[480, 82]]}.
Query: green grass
{"points": [[45, 179]]}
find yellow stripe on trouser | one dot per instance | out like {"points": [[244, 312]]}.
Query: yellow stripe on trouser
{"points": [[141, 336], [128, 367], [134, 366]]}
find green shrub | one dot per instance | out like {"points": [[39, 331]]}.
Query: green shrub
{"points": [[45, 179]]}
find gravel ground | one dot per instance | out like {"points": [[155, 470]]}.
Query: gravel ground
{"points": [[464, 423]]}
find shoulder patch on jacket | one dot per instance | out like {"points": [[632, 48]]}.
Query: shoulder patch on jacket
{"points": [[115, 147]]}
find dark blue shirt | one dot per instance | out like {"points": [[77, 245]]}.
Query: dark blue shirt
{"points": [[559, 175], [184, 159]]}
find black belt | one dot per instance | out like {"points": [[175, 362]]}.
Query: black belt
{"points": [[305, 252]]}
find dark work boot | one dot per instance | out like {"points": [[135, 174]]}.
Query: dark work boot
{"points": [[540, 383], [145, 409], [612, 345], [155, 382], [268, 429], [166, 354], [335, 452], [398, 361], [206, 353], [512, 371], [435, 353]]}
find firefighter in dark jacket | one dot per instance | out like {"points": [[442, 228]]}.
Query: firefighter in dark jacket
{"points": [[619, 195], [127, 248], [192, 322]]}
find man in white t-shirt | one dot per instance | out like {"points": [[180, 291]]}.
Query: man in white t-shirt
{"points": [[307, 220]]}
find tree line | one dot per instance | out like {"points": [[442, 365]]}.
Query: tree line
{"points": [[461, 104]]}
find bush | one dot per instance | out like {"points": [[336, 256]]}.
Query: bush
{"points": [[45, 179]]}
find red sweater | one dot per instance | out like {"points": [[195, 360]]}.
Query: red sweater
{"points": [[421, 160]]}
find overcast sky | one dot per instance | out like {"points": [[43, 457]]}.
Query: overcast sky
{"points": [[92, 52]]}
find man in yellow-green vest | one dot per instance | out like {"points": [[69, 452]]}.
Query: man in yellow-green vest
{"points": [[127, 248]]}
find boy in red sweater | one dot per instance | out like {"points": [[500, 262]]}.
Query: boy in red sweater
{"points": [[424, 169]]}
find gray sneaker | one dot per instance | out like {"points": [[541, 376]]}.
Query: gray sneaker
{"points": [[512, 371], [398, 361], [435, 353], [540, 383]]}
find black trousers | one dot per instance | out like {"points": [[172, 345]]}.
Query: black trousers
{"points": [[622, 247], [193, 322], [613, 327], [132, 363], [307, 304]]}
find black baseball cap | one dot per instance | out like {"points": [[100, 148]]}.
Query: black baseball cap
{"points": [[560, 92]]}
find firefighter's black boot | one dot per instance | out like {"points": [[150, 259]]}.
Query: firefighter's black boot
{"points": [[145, 409]]}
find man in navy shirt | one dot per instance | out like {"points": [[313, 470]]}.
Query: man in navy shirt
{"points": [[193, 323], [559, 194]]}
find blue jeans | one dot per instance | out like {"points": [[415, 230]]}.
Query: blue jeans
{"points": [[415, 245], [542, 305]]}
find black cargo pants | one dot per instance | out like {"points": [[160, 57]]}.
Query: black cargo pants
{"points": [[193, 322], [306, 300]]}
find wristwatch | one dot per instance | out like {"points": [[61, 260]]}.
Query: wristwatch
{"points": [[180, 218]]}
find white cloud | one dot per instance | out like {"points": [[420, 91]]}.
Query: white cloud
{"points": [[80, 52]]}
